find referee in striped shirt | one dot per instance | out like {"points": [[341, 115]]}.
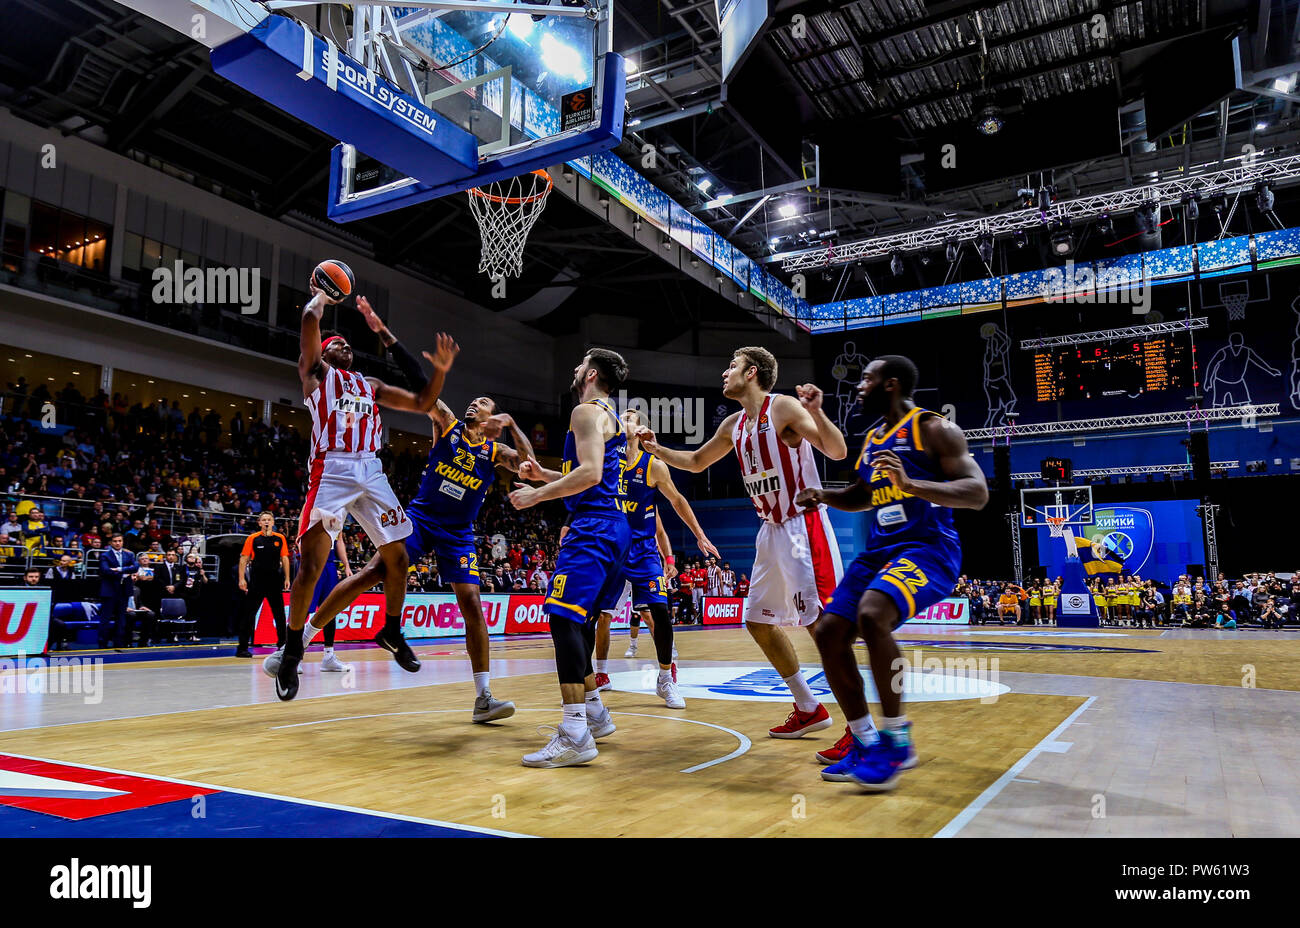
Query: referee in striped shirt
{"points": [[264, 577]]}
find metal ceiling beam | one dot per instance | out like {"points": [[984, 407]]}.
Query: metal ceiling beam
{"points": [[1206, 182], [1188, 418]]}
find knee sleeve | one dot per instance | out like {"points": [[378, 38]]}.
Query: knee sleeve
{"points": [[327, 633], [663, 632], [589, 646], [572, 652]]}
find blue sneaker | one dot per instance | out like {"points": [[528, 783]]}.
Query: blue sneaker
{"points": [[880, 765], [841, 770]]}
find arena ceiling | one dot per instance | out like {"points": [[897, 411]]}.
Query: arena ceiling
{"points": [[875, 84]]}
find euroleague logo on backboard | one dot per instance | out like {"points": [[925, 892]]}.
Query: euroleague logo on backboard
{"points": [[576, 109]]}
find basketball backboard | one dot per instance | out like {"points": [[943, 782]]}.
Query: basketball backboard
{"points": [[1038, 504], [432, 98]]}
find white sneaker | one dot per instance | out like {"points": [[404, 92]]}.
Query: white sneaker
{"points": [[631, 649], [601, 726], [271, 666], [487, 709], [561, 751], [332, 664], [667, 691]]}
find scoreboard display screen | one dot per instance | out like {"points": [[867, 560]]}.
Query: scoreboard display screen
{"points": [[1113, 369]]}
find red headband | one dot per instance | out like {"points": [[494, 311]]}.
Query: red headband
{"points": [[325, 344]]}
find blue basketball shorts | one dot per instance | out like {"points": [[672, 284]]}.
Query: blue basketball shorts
{"points": [[589, 567], [914, 575], [644, 570], [452, 548]]}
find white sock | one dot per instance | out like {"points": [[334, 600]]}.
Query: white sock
{"points": [[864, 730], [804, 700], [594, 705], [481, 683], [309, 632], [665, 676], [329, 652], [574, 724], [897, 728], [602, 666]]}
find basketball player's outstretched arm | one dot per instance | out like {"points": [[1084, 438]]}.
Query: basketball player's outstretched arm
{"points": [[662, 481], [589, 445], [508, 457], [853, 498], [806, 418], [398, 398], [712, 451], [665, 549], [309, 366], [965, 487]]}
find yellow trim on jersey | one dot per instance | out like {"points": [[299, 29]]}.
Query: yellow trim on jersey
{"points": [[898, 425], [494, 453], [606, 405], [552, 601], [451, 425], [907, 594], [916, 432], [640, 453]]}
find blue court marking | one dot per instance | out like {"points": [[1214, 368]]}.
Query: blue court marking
{"points": [[225, 815], [966, 645], [232, 813]]}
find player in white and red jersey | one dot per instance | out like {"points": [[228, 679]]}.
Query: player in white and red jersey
{"points": [[346, 477], [796, 561]]}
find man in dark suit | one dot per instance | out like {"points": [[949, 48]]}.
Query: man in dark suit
{"points": [[168, 581], [117, 568]]}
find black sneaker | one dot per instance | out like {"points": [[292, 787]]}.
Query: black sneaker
{"points": [[401, 651], [243, 653], [286, 681]]}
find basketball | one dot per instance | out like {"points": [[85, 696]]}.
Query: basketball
{"points": [[334, 279]]}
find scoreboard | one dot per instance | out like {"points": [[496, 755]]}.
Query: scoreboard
{"points": [[1096, 371]]}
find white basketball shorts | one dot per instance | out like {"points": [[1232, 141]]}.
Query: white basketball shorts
{"points": [[343, 482], [796, 569]]}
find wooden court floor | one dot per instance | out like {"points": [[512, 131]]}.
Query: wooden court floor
{"points": [[707, 771]]}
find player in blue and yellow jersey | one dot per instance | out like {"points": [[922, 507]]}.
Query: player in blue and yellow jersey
{"points": [[644, 478], [914, 469], [462, 466], [590, 562]]}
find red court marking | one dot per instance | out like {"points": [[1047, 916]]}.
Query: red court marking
{"points": [[139, 792]]}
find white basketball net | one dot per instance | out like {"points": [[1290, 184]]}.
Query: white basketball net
{"points": [[1056, 525], [505, 212], [1236, 304]]}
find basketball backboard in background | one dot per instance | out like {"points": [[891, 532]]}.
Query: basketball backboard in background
{"points": [[1038, 504], [433, 98]]}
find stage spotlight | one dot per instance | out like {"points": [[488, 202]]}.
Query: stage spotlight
{"points": [[1148, 218], [1264, 198], [1044, 199], [1192, 206], [1104, 224], [984, 245], [896, 264], [950, 250], [827, 276], [1021, 238], [1062, 239], [989, 121], [925, 257]]}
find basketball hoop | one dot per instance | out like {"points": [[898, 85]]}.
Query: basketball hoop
{"points": [[505, 212], [1236, 305], [1056, 525]]}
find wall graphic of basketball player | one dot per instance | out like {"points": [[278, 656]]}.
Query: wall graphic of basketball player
{"points": [[997, 375], [1295, 356], [847, 373], [1225, 376]]}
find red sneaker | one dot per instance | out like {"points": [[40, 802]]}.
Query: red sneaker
{"points": [[798, 724], [836, 752], [602, 681]]}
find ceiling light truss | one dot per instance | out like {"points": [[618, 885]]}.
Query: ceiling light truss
{"points": [[1205, 181]]}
